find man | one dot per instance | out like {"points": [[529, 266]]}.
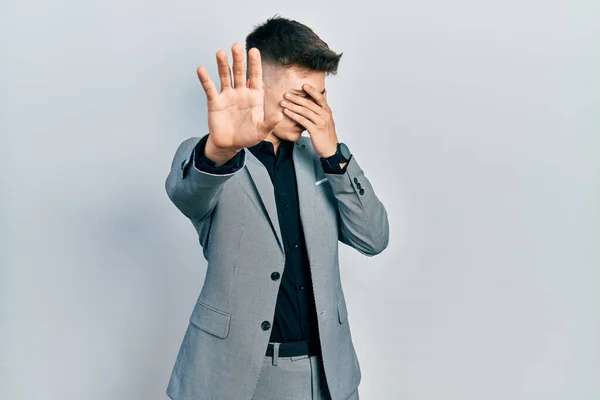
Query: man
{"points": [[270, 206]]}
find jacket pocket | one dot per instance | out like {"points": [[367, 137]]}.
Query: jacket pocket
{"points": [[342, 311], [211, 320]]}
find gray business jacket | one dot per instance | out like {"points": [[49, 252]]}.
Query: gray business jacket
{"points": [[235, 215]]}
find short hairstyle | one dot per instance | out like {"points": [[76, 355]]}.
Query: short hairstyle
{"points": [[285, 43]]}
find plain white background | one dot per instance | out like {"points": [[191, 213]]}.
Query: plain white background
{"points": [[476, 122]]}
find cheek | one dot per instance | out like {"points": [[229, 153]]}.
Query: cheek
{"points": [[272, 104]]}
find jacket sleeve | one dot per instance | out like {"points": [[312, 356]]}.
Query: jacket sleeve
{"points": [[363, 220], [195, 192]]}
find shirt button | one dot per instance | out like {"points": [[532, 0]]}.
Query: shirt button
{"points": [[286, 205], [295, 245], [275, 275], [265, 325], [301, 287], [306, 328]]}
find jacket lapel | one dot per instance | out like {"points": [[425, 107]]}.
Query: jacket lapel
{"points": [[264, 195], [305, 179]]}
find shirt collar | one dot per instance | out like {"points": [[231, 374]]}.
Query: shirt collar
{"points": [[267, 147]]}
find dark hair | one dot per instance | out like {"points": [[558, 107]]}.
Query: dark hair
{"points": [[285, 43]]}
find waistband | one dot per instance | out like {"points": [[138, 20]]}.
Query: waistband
{"points": [[290, 349]]}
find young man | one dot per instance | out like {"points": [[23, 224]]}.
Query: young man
{"points": [[270, 206]]}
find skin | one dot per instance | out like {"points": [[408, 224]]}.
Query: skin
{"points": [[247, 111]]}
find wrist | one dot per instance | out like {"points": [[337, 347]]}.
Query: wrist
{"points": [[219, 155], [330, 152], [338, 159]]}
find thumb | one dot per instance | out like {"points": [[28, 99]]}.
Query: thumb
{"points": [[271, 122]]}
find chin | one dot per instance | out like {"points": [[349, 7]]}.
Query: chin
{"points": [[295, 135], [291, 135]]}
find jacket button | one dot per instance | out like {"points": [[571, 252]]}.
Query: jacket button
{"points": [[275, 275], [362, 191], [355, 180], [358, 186], [265, 325]]}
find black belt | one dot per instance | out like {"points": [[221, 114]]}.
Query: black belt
{"points": [[290, 349]]}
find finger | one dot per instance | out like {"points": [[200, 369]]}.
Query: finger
{"points": [[224, 71], [239, 66], [207, 84], [254, 62], [303, 111], [319, 98], [305, 122], [304, 102]]}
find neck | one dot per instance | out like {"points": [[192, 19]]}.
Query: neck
{"points": [[275, 140]]}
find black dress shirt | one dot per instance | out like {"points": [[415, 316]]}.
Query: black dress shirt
{"points": [[295, 312]]}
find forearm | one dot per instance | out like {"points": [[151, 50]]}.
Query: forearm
{"points": [[193, 191], [364, 221]]}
